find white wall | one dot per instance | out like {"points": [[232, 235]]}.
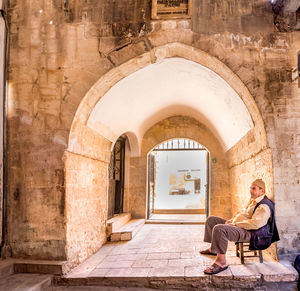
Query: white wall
{"points": [[173, 86], [169, 166]]}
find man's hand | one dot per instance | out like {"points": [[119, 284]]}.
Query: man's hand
{"points": [[229, 221]]}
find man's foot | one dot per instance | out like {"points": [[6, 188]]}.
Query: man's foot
{"points": [[207, 252], [215, 269]]}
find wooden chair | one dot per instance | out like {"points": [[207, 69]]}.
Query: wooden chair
{"points": [[240, 252]]}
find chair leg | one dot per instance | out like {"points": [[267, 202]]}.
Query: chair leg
{"points": [[261, 260], [237, 250], [241, 247]]}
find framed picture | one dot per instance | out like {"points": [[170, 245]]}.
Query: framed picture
{"points": [[166, 9]]}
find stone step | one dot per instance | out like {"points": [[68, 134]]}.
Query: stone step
{"points": [[267, 276], [128, 231], [40, 266], [117, 222], [170, 221], [6, 268], [28, 282]]}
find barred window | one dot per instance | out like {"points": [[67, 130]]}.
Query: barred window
{"points": [[162, 9]]}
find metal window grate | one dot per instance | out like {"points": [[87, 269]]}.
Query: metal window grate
{"points": [[179, 144]]}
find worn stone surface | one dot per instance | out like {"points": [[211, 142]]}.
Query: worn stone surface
{"points": [[25, 282], [58, 52], [287, 15], [85, 207], [235, 16], [154, 260]]}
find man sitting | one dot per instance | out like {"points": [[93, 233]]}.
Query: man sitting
{"points": [[255, 224]]}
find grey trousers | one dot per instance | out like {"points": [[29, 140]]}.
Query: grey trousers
{"points": [[218, 234]]}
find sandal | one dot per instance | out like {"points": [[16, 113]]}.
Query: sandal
{"points": [[214, 269], [207, 252]]}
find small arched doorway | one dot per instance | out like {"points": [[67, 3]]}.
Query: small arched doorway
{"points": [[116, 176], [178, 180]]}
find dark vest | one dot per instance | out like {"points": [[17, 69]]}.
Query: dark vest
{"points": [[263, 237]]}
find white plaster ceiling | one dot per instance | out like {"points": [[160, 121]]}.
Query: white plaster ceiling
{"points": [[173, 86]]}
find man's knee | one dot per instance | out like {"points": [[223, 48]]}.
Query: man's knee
{"points": [[219, 228], [211, 219]]}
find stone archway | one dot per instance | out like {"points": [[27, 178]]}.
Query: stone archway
{"points": [[89, 150], [106, 82], [183, 127]]}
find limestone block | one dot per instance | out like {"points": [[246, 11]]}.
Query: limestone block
{"points": [[127, 53], [126, 236], [115, 237]]}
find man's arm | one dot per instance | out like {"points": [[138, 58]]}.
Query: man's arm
{"points": [[258, 219]]}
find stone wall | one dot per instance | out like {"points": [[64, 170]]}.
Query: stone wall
{"points": [[85, 206], [86, 188], [283, 135], [58, 53], [246, 17], [249, 159]]}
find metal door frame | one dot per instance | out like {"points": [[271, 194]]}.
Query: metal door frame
{"points": [[118, 202]]}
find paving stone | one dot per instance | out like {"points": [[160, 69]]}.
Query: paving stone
{"points": [[117, 272], [163, 256], [194, 271], [116, 264], [187, 255], [137, 272], [158, 263], [127, 272], [274, 272], [167, 272], [110, 259], [243, 271], [132, 257], [98, 272], [142, 264], [124, 251], [182, 262]]}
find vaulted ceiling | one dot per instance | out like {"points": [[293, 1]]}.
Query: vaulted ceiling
{"points": [[173, 86]]}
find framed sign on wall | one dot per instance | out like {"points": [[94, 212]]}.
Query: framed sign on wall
{"points": [[165, 9]]}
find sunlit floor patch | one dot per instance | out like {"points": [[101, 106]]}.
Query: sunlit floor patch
{"points": [[168, 255]]}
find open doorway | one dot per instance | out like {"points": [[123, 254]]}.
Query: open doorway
{"points": [[116, 178], [178, 181]]}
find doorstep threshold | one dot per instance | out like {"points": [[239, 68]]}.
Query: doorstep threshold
{"points": [[172, 221]]}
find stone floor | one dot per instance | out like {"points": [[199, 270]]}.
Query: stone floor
{"points": [[167, 256], [179, 217]]}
